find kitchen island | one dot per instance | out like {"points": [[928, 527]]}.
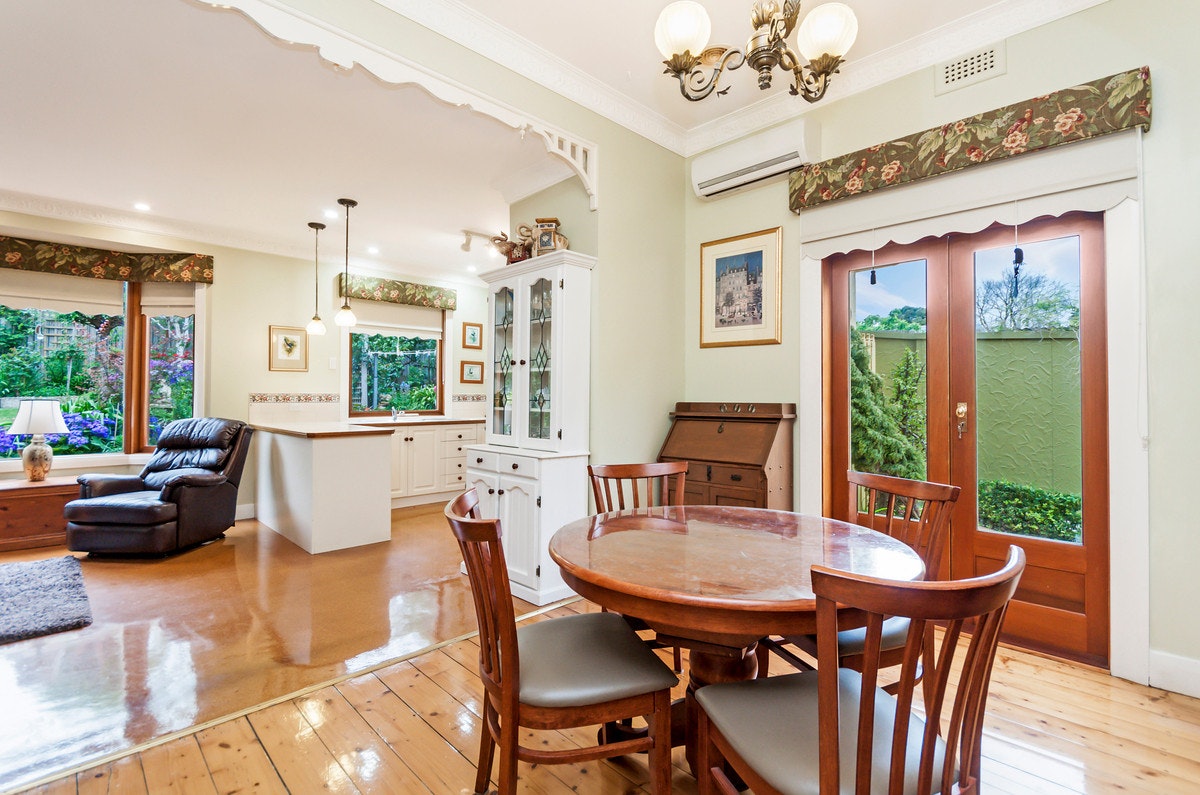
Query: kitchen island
{"points": [[324, 485]]}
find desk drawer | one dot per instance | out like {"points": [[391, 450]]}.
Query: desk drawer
{"points": [[742, 477]]}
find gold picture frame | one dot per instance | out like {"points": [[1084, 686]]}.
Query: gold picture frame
{"points": [[287, 349], [472, 335], [470, 372], [740, 279]]}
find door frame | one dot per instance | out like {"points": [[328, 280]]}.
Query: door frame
{"points": [[1129, 618]]}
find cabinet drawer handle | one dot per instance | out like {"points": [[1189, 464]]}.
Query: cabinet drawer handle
{"points": [[522, 361], [514, 466], [501, 491], [491, 491], [478, 460], [735, 477], [460, 436]]}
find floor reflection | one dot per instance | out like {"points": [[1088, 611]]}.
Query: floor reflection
{"points": [[183, 641]]}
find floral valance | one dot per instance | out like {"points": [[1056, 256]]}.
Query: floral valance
{"points": [[94, 263], [1108, 105], [398, 292]]}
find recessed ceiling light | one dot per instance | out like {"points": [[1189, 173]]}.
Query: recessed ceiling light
{"points": [[331, 214], [141, 207], [373, 250], [471, 269]]}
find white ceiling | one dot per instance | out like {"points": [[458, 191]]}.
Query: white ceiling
{"points": [[236, 138]]}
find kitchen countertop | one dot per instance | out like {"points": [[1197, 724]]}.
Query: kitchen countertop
{"points": [[367, 427]]}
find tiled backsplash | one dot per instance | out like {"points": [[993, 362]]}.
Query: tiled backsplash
{"points": [[289, 407]]}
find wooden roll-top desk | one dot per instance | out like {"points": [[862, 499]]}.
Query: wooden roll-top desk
{"points": [[737, 453]]}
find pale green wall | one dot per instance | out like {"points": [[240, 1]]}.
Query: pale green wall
{"points": [[1108, 38]]}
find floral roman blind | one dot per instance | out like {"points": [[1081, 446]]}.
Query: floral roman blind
{"points": [[1111, 104], [398, 292], [94, 263]]}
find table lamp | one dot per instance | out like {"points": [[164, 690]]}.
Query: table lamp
{"points": [[37, 417]]}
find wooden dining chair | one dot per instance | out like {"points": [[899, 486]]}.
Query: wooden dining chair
{"points": [[579, 670], [866, 739], [916, 512], [620, 486]]}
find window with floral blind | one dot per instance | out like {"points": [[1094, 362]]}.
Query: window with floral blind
{"points": [[119, 355]]}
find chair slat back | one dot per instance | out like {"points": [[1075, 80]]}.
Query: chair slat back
{"points": [[483, 554], [956, 715], [620, 486], [916, 512]]}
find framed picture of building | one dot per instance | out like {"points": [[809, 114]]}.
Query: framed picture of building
{"points": [[740, 289]]}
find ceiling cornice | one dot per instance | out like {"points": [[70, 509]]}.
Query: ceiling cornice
{"points": [[466, 26], [471, 29]]}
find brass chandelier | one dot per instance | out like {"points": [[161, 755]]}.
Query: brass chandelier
{"points": [[823, 38]]}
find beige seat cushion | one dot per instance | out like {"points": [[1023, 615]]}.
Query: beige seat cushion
{"points": [[772, 724], [586, 659], [895, 635]]}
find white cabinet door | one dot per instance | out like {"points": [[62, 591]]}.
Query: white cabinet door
{"points": [[517, 502], [422, 460], [486, 484], [398, 462]]}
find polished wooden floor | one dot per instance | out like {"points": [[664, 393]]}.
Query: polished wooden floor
{"points": [[412, 725]]}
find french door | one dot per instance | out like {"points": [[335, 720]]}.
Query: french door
{"points": [[979, 360]]}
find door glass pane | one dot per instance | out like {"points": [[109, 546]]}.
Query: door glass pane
{"points": [[887, 369], [1028, 408], [502, 346], [540, 327]]}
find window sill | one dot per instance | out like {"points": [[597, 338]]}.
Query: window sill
{"points": [[68, 464]]}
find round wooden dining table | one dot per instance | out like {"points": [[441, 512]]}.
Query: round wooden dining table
{"points": [[716, 579]]}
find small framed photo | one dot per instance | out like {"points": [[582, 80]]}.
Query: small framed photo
{"points": [[288, 348], [470, 372], [740, 289], [472, 335]]}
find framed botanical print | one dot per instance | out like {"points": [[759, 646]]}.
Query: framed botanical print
{"points": [[740, 290], [470, 372], [287, 348], [472, 335]]}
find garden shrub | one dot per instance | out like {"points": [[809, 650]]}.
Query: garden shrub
{"points": [[1029, 511]]}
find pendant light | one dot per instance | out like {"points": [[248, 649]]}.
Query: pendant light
{"points": [[316, 326], [345, 316]]}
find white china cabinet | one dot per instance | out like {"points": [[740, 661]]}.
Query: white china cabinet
{"points": [[532, 473]]}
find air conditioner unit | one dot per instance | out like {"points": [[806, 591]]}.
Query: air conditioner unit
{"points": [[765, 154]]}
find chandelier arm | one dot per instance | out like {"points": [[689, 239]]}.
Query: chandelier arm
{"points": [[695, 84], [811, 81]]}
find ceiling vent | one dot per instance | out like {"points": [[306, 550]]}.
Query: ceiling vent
{"points": [[765, 154], [970, 69]]}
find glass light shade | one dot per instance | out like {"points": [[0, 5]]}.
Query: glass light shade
{"points": [[829, 29], [316, 326], [345, 316], [38, 417], [682, 27]]}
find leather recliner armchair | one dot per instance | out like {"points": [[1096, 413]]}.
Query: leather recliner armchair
{"points": [[186, 494]]}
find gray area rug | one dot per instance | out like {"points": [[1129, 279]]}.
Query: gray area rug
{"points": [[41, 597]]}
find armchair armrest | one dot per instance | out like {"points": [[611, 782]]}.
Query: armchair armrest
{"points": [[100, 485], [206, 480]]}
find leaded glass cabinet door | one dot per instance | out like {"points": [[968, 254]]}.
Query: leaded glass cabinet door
{"points": [[540, 336], [504, 360]]}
